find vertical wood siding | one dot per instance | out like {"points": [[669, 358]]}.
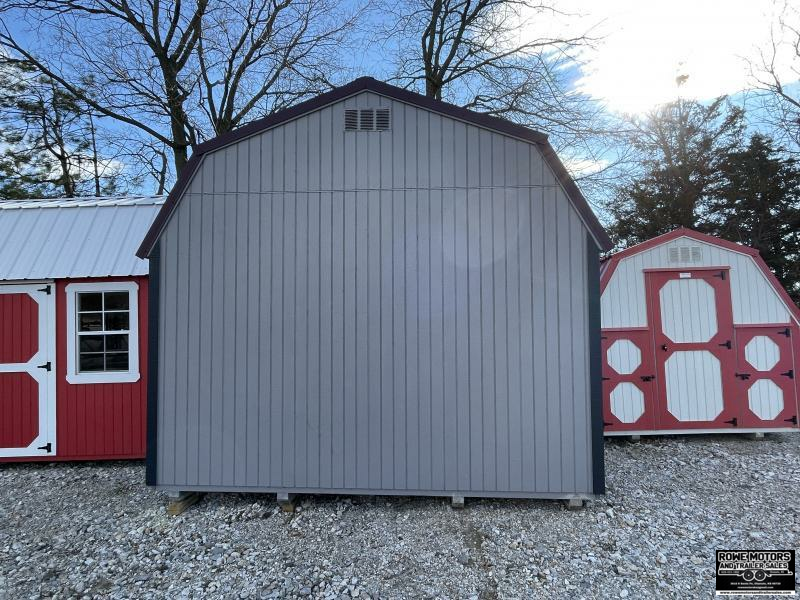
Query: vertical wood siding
{"points": [[753, 297], [99, 420], [390, 311]]}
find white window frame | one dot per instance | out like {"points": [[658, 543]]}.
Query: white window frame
{"points": [[132, 374]]}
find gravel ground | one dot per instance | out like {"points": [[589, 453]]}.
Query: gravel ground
{"points": [[94, 530]]}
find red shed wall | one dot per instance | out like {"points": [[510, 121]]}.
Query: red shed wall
{"points": [[99, 420]]}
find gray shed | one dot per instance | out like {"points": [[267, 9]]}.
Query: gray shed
{"points": [[374, 292]]}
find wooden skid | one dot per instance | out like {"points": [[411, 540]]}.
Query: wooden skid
{"points": [[178, 505]]}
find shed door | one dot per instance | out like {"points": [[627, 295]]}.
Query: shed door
{"points": [[628, 380], [766, 372], [694, 346], [27, 370]]}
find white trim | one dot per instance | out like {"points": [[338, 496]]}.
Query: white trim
{"points": [[46, 380], [687, 431], [132, 374]]}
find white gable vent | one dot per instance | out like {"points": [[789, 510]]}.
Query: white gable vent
{"points": [[367, 119], [685, 254]]}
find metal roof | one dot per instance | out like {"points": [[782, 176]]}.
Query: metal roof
{"points": [[74, 237]]}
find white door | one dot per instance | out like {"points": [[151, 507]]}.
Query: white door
{"points": [[27, 370]]}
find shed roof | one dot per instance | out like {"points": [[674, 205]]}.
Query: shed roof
{"points": [[401, 95], [74, 237], [611, 262]]}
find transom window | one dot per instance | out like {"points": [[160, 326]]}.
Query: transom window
{"points": [[103, 331]]}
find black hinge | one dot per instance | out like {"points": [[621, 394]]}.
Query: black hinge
{"points": [[792, 420], [727, 344], [602, 337], [721, 275], [46, 366], [789, 374], [606, 378], [45, 289], [734, 421], [647, 377], [743, 376], [48, 447], [787, 332], [607, 424]]}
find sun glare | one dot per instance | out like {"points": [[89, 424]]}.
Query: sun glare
{"points": [[645, 47]]}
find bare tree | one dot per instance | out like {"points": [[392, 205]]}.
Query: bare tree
{"points": [[179, 70], [774, 70], [257, 57], [125, 60], [477, 53]]}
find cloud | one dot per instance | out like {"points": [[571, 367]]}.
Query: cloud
{"points": [[646, 45]]}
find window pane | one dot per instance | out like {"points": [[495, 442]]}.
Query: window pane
{"points": [[90, 301], [117, 361], [90, 321], [116, 300], [116, 321], [116, 342], [91, 362], [90, 343]]}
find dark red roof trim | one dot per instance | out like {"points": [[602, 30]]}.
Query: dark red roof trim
{"points": [[613, 260], [396, 93]]}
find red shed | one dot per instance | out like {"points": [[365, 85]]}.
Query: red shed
{"points": [[73, 328], [698, 336]]}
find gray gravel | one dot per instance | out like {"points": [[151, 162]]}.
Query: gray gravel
{"points": [[94, 530]]}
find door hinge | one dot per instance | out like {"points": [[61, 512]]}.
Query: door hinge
{"points": [[726, 344], [45, 289], [46, 366], [743, 376], [721, 275], [734, 421], [647, 377], [607, 424], [789, 374], [48, 447], [792, 420], [787, 332], [605, 378]]}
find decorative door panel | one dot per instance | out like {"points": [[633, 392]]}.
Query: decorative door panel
{"points": [[766, 374], [628, 380], [27, 370], [692, 326]]}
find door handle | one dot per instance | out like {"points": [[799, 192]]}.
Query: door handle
{"points": [[664, 347]]}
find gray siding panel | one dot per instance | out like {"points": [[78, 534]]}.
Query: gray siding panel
{"points": [[402, 310]]}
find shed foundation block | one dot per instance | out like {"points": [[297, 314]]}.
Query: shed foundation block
{"points": [[636, 438], [575, 503], [756, 435], [286, 501], [457, 501], [180, 501]]}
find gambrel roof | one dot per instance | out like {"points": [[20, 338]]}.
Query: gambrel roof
{"points": [[401, 95]]}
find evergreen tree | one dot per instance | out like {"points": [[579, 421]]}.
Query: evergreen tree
{"points": [[49, 140], [680, 147], [757, 203]]}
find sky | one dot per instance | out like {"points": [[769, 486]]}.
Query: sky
{"points": [[644, 45]]}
